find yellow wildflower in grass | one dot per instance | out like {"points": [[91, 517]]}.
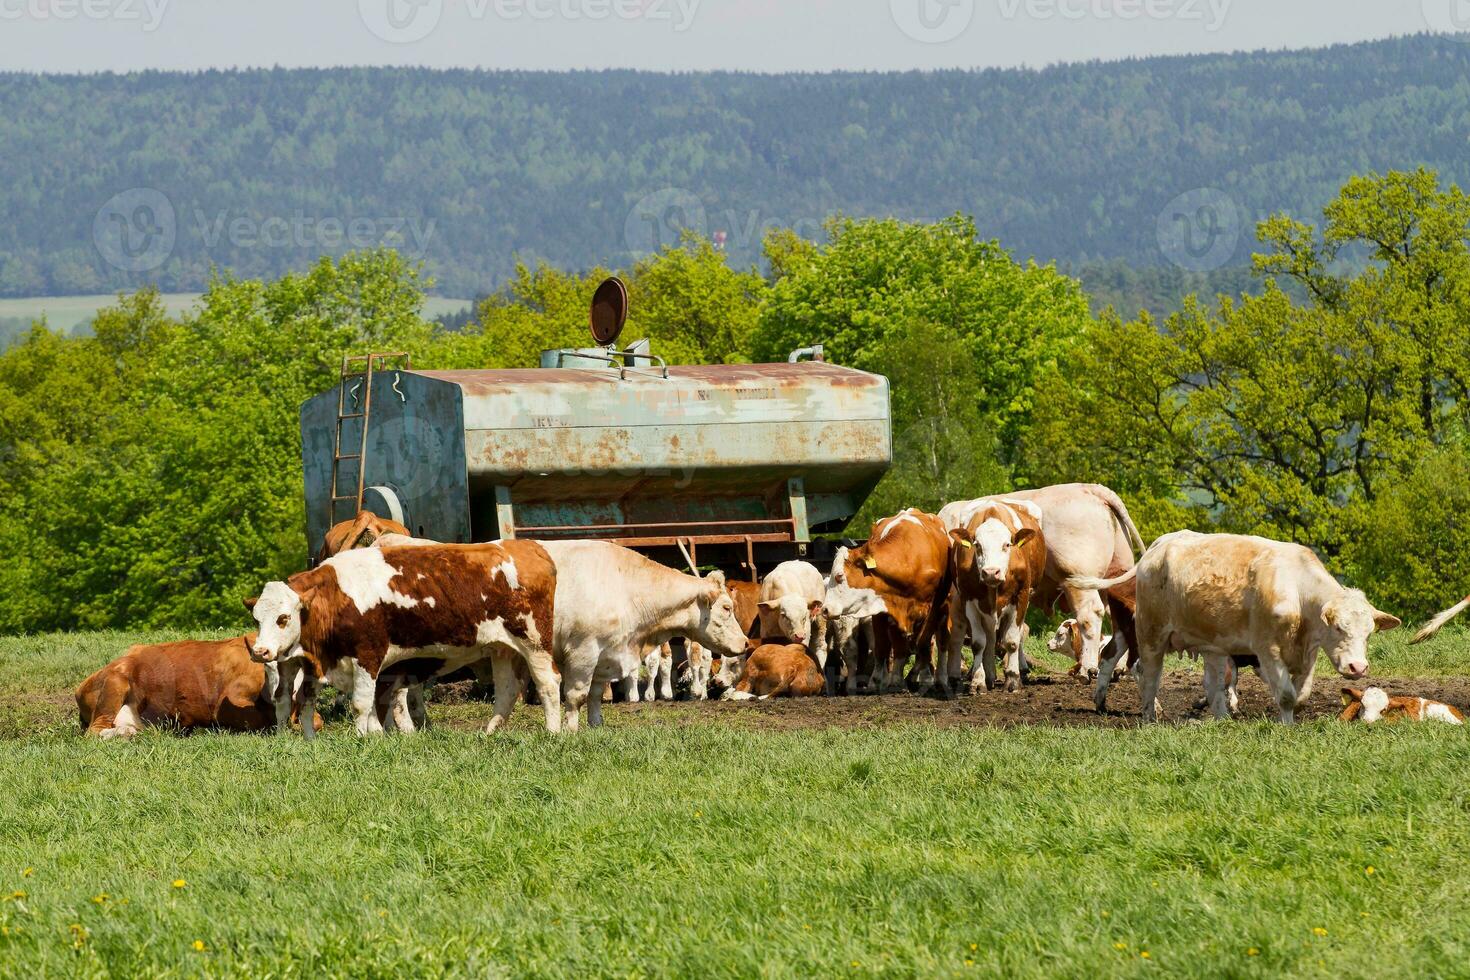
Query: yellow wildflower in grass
{"points": [[974, 946], [1144, 955], [1369, 870], [1318, 931], [27, 872], [100, 899], [180, 883], [78, 935], [697, 814], [1253, 952], [198, 945], [17, 895], [1120, 945], [969, 962]]}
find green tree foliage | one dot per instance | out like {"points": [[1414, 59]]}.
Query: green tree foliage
{"points": [[1073, 163], [1289, 419]]}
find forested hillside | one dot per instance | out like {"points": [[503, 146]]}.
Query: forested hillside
{"points": [[262, 172]]}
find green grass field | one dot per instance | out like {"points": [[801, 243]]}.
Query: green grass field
{"points": [[65, 313], [697, 848]]}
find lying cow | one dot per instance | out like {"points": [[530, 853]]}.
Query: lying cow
{"points": [[901, 576], [778, 671], [189, 684], [997, 556], [409, 613], [1374, 704], [613, 604], [1223, 594]]}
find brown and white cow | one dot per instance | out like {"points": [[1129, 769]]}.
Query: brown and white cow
{"points": [[1374, 704], [1089, 534], [413, 612], [613, 605], [901, 576], [1225, 594], [188, 684], [996, 559], [778, 670]]}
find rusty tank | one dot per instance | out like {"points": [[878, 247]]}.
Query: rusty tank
{"points": [[735, 465]]}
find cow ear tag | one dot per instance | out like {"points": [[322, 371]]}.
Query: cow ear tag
{"points": [[870, 562], [965, 544]]}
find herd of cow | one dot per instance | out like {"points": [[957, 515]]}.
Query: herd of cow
{"points": [[382, 613]]}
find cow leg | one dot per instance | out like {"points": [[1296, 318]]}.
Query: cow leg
{"points": [[984, 625], [1150, 675], [1008, 633], [1302, 680], [417, 712], [286, 673], [1278, 680], [666, 673], [401, 716], [1107, 672], [507, 691], [1217, 685], [307, 713], [364, 701], [1088, 608], [1232, 688], [594, 702], [630, 688]]}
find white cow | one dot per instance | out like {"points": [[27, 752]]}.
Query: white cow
{"points": [[791, 599], [1225, 594], [613, 604]]}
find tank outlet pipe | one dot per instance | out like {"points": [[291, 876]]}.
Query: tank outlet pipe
{"points": [[814, 352]]}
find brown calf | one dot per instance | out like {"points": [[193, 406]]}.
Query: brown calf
{"points": [[779, 671], [1374, 704], [189, 684], [360, 532]]}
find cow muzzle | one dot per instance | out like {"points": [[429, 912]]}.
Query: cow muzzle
{"points": [[1354, 670], [993, 576], [262, 655]]}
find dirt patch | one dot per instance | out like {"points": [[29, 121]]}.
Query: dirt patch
{"points": [[1057, 701]]}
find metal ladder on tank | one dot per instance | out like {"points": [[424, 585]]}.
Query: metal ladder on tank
{"points": [[362, 395]]}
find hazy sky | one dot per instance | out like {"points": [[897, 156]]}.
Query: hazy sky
{"points": [[753, 35]]}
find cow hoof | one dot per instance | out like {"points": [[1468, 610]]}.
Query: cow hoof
{"points": [[1013, 683], [941, 692]]}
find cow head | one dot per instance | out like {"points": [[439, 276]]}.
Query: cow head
{"points": [[986, 546], [719, 628], [842, 599], [1347, 622], [790, 617], [279, 614], [1067, 639]]}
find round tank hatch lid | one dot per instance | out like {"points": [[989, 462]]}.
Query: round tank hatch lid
{"points": [[609, 311]]}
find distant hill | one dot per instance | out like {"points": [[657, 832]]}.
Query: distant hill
{"points": [[116, 181]]}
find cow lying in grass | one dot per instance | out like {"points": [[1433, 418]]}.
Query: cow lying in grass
{"points": [[778, 671], [1374, 704], [189, 684], [410, 613]]}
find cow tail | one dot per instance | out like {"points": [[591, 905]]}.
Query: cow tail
{"points": [[1100, 584], [1437, 623], [1120, 514]]}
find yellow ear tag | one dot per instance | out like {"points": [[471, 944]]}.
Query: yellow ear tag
{"points": [[870, 562], [1346, 699], [966, 544]]}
